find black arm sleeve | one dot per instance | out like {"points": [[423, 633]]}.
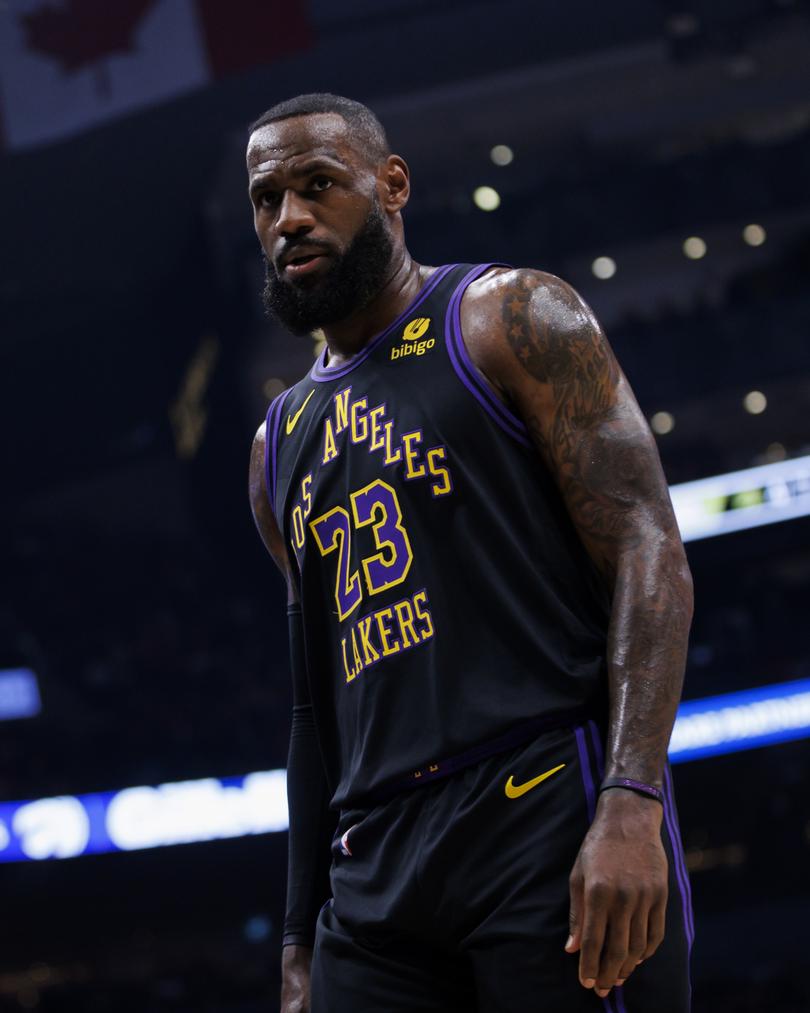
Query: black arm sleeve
{"points": [[312, 824]]}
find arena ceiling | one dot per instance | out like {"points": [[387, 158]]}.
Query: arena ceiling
{"points": [[582, 91]]}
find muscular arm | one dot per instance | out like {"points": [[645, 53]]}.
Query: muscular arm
{"points": [[311, 823], [263, 515], [548, 356]]}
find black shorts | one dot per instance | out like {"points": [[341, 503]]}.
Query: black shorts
{"points": [[454, 897]]}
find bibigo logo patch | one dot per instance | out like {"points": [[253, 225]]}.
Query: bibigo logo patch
{"points": [[413, 332]]}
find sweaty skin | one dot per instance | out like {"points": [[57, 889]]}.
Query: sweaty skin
{"points": [[540, 347]]}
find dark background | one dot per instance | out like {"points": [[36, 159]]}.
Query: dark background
{"points": [[135, 366]]}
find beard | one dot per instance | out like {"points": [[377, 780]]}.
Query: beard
{"points": [[353, 281]]}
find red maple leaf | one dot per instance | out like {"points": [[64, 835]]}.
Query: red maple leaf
{"points": [[78, 33]]}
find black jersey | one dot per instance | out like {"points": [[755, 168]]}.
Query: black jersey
{"points": [[448, 604]]}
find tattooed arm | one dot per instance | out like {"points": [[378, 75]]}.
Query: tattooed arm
{"points": [[540, 346]]}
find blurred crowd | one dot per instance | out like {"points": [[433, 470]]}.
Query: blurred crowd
{"points": [[154, 664]]}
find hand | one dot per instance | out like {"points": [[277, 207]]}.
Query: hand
{"points": [[618, 890], [295, 975]]}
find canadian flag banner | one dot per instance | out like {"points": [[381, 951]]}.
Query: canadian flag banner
{"points": [[68, 65]]}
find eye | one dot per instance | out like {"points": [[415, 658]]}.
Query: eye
{"points": [[268, 199], [320, 183]]}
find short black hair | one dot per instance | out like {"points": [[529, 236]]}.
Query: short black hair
{"points": [[363, 124]]}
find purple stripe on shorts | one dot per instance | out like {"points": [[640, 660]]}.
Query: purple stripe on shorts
{"points": [[679, 857], [585, 768], [321, 373], [465, 370], [598, 752], [274, 413], [680, 868], [609, 1002], [677, 846]]}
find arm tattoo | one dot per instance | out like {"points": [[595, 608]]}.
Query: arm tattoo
{"points": [[589, 429], [565, 350]]}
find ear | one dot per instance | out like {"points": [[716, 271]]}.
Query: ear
{"points": [[394, 184]]}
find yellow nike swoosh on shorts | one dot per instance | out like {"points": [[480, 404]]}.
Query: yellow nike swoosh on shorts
{"points": [[293, 419], [513, 790]]}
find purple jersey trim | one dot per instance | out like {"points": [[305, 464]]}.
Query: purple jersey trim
{"points": [[273, 422], [319, 371], [465, 369]]}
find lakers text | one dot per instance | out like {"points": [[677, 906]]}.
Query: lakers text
{"points": [[388, 631]]}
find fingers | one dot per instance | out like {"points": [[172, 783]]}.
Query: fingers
{"points": [[655, 929], [594, 926], [615, 947], [617, 908], [636, 947], [618, 931], [575, 911]]}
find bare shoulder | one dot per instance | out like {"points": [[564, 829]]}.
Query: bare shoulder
{"points": [[526, 318], [497, 286], [540, 342], [528, 331]]}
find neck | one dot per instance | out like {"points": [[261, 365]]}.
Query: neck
{"points": [[347, 337]]}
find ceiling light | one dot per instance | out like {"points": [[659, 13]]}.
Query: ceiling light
{"points": [[694, 247], [755, 402], [662, 423], [502, 154], [754, 235], [604, 267], [486, 198]]}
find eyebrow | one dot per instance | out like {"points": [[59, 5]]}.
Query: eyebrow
{"points": [[305, 169]]}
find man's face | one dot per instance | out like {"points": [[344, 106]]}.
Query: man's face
{"points": [[316, 210]]}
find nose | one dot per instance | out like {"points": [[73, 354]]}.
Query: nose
{"points": [[294, 215]]}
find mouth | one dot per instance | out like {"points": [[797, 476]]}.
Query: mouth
{"points": [[302, 265]]}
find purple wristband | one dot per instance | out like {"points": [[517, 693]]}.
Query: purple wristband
{"points": [[627, 782]]}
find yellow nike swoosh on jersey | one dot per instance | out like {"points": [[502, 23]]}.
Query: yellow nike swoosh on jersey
{"points": [[516, 790], [293, 419]]}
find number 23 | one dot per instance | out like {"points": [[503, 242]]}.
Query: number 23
{"points": [[376, 504]]}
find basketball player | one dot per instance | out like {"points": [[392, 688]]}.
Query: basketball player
{"points": [[489, 606]]}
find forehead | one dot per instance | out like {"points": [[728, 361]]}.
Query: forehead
{"points": [[275, 146]]}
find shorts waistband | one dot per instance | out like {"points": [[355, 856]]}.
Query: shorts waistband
{"points": [[515, 736]]}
